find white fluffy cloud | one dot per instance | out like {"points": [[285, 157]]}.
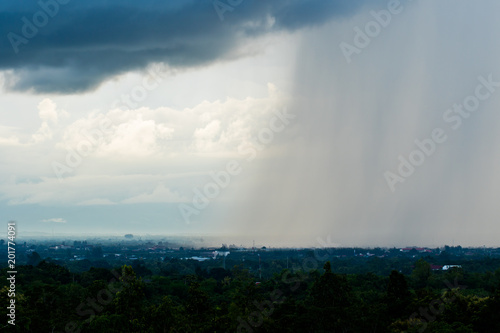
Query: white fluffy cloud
{"points": [[43, 133], [155, 155], [47, 110], [215, 128], [160, 194], [55, 220], [9, 136], [49, 114]]}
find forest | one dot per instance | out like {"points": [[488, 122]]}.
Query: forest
{"points": [[177, 295]]}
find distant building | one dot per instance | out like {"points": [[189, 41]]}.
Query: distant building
{"points": [[447, 267], [198, 258]]}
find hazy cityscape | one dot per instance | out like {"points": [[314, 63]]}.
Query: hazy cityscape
{"points": [[123, 250]]}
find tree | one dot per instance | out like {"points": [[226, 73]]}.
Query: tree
{"points": [[398, 297], [167, 317], [331, 301], [34, 258], [129, 300], [421, 273]]}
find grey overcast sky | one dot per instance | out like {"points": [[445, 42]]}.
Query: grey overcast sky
{"points": [[291, 122]]}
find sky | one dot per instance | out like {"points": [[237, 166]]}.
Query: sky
{"points": [[288, 122]]}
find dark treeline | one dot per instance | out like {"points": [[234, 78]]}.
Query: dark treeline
{"points": [[310, 296]]}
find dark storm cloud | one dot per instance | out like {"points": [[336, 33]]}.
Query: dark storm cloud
{"points": [[79, 44]]}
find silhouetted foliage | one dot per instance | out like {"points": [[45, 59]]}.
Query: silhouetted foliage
{"points": [[188, 296]]}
